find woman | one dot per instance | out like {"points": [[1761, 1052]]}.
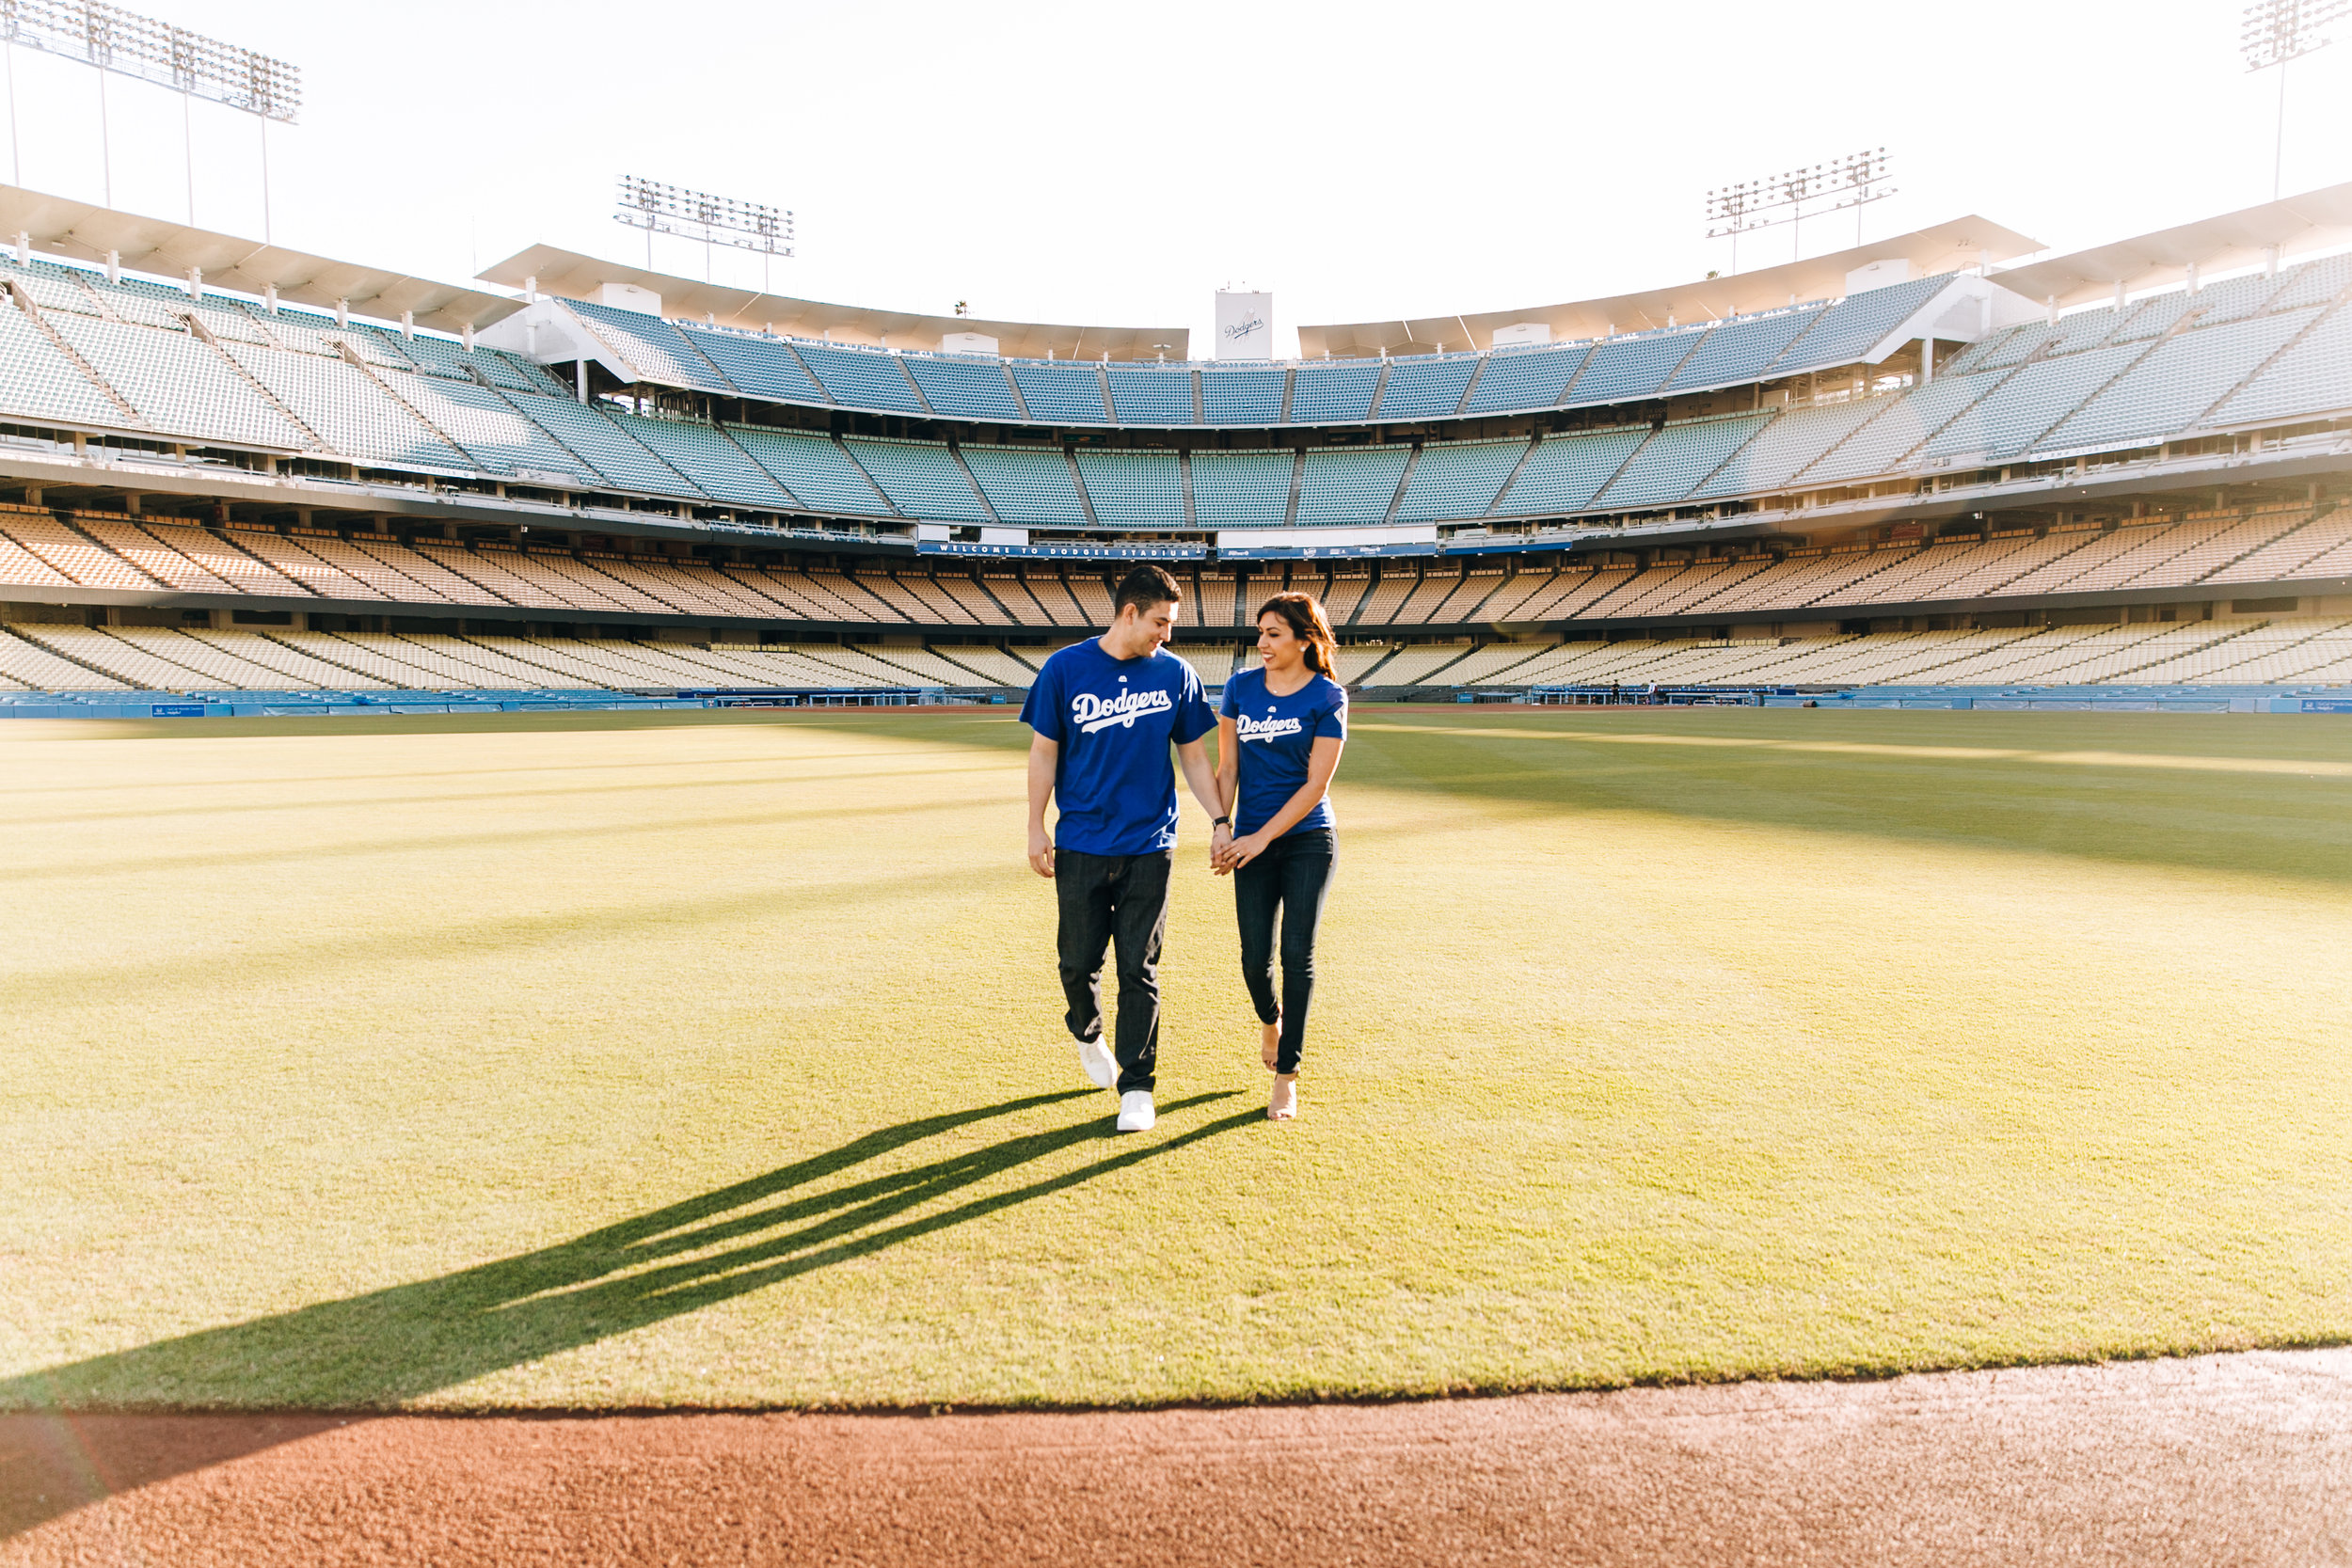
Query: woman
{"points": [[1279, 741]]}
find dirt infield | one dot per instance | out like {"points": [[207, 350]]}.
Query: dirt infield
{"points": [[2243, 1458]]}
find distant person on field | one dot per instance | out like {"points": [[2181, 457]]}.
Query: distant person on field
{"points": [[1103, 713], [1278, 744]]}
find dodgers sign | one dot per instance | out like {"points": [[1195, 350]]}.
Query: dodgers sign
{"points": [[1245, 326]]}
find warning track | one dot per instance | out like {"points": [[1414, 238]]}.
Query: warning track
{"points": [[2244, 1459]]}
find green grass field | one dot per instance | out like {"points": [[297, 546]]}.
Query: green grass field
{"points": [[617, 1061]]}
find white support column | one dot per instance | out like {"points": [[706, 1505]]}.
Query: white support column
{"points": [[269, 298], [469, 337], [579, 378], [196, 282], [2054, 309], [2270, 260], [343, 312], [1927, 360], [408, 325], [2192, 278], [2119, 296], [114, 266], [530, 290]]}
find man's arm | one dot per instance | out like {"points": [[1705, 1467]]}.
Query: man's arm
{"points": [[1193, 756], [1044, 756]]}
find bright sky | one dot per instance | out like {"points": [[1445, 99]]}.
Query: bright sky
{"points": [[1116, 164]]}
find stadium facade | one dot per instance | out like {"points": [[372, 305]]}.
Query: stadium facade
{"points": [[1902, 473]]}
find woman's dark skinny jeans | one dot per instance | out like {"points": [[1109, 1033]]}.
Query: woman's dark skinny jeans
{"points": [[1293, 876]]}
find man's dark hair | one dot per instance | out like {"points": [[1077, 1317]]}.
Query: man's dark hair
{"points": [[1145, 587]]}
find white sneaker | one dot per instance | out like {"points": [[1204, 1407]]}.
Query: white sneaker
{"points": [[1096, 1061], [1134, 1111]]}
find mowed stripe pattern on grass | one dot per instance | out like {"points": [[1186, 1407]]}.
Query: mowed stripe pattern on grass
{"points": [[597, 1061]]}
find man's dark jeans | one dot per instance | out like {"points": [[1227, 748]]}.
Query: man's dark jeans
{"points": [[1121, 899], [1293, 876]]}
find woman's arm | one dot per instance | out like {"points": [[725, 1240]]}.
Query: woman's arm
{"points": [[1228, 792], [1228, 766], [1323, 761]]}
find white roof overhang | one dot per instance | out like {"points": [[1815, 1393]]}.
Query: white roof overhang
{"points": [[1969, 242], [85, 233], [569, 271], [2316, 220]]}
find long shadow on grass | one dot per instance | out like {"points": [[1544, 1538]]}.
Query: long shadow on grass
{"points": [[375, 1350], [2277, 824]]}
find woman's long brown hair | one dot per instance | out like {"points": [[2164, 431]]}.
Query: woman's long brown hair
{"points": [[1307, 621]]}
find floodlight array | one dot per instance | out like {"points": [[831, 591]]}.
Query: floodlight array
{"points": [[666, 209], [123, 41], [1849, 181], [2277, 31]]}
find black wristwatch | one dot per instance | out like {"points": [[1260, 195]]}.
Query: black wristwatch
{"points": [[1220, 822]]}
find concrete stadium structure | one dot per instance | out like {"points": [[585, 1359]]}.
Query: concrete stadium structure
{"points": [[1905, 472]]}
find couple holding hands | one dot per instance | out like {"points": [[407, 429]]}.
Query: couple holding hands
{"points": [[1102, 715]]}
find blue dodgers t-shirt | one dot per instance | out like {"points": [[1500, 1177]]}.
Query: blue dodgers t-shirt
{"points": [[1276, 737], [1113, 720]]}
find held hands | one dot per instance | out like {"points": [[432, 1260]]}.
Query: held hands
{"points": [[1236, 853], [1220, 839], [1041, 853]]}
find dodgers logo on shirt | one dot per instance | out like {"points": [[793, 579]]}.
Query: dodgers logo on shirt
{"points": [[1266, 729], [1091, 713]]}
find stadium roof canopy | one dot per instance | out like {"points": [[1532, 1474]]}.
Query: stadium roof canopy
{"points": [[62, 227], [1967, 242], [569, 273], [2316, 221]]}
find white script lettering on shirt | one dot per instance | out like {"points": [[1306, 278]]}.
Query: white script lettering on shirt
{"points": [[1266, 729], [1091, 713]]}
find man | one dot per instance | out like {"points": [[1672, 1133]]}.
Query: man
{"points": [[1103, 713]]}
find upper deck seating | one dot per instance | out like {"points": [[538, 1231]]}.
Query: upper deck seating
{"points": [[1739, 350], [179, 383], [1147, 396], [1426, 387], [1633, 367], [1565, 472], [2176, 382], [653, 345], [351, 411], [1349, 484], [1061, 392], [718, 468], [1516, 378], [812, 469], [1458, 479], [921, 478], [1239, 489], [1127, 486], [1027, 484], [1856, 324], [1333, 391], [1791, 442], [583, 429], [1671, 463], [862, 377], [43, 383], [961, 388], [2312, 376], [761, 367], [1242, 394], [2012, 416]]}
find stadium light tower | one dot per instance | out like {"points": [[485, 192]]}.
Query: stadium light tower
{"points": [[715, 220], [2277, 33], [1854, 180], [124, 43]]}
